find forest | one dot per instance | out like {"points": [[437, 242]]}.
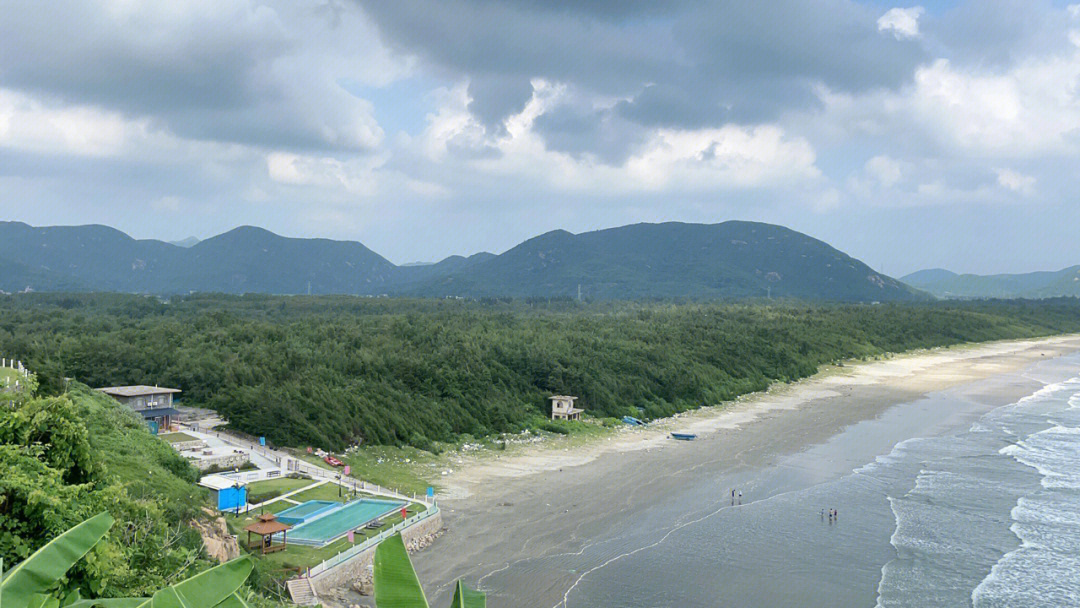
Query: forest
{"points": [[333, 371]]}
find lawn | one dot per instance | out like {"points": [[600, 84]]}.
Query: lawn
{"points": [[177, 437], [327, 491], [405, 469], [261, 491]]}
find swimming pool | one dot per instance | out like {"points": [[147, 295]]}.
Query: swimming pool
{"points": [[306, 511], [333, 524]]}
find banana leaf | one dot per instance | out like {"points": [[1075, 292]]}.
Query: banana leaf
{"points": [[468, 598], [39, 572], [112, 602], [233, 601], [396, 584], [207, 588]]}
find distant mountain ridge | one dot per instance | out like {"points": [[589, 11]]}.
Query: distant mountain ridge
{"points": [[642, 261], [1042, 284]]}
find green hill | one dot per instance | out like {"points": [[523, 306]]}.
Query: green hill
{"points": [[1047, 284], [728, 260], [644, 261]]}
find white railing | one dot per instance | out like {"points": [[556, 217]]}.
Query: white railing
{"points": [[253, 476], [355, 550]]}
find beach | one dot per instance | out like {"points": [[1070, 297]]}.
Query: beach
{"points": [[638, 519]]}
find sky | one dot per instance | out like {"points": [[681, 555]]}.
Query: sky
{"points": [[941, 134]]}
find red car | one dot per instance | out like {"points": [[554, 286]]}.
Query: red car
{"points": [[334, 462]]}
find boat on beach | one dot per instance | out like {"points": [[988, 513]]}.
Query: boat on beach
{"points": [[684, 436]]}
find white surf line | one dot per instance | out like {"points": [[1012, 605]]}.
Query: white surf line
{"points": [[566, 596]]}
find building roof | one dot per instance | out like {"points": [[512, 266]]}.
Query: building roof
{"points": [[156, 412], [219, 482], [137, 390], [267, 524], [560, 397]]}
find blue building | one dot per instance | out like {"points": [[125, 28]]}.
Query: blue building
{"points": [[228, 494]]}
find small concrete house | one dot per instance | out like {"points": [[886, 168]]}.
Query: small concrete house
{"points": [[228, 494], [153, 403], [562, 408]]}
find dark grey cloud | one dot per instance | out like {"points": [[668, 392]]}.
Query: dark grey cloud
{"points": [[233, 71], [581, 131], [675, 64]]}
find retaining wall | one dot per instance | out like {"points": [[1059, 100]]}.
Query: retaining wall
{"points": [[358, 568]]}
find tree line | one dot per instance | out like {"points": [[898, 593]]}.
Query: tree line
{"points": [[331, 371]]}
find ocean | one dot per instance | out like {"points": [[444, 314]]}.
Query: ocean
{"points": [[941, 502]]}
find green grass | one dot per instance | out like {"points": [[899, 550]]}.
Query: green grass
{"points": [[406, 469], [148, 469], [177, 437], [261, 491], [327, 491]]}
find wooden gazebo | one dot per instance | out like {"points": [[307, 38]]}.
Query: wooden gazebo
{"points": [[266, 528]]}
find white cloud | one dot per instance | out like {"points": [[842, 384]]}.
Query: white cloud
{"points": [[884, 169], [732, 155], [1030, 108], [729, 156], [28, 124], [1015, 181], [355, 176], [903, 23]]}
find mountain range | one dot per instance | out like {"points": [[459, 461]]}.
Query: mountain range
{"points": [[1047, 284], [728, 260]]}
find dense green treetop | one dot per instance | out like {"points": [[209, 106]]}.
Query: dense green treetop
{"points": [[332, 371]]}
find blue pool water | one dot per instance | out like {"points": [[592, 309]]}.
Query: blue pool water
{"points": [[332, 524]]}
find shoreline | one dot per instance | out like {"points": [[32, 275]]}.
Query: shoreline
{"points": [[510, 518], [472, 471]]}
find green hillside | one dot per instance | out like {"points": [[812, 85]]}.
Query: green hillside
{"points": [[67, 458], [644, 261], [728, 260], [332, 371], [1047, 284]]}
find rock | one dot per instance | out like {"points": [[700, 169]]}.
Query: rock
{"points": [[219, 543]]}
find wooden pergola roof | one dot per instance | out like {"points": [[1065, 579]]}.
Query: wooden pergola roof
{"points": [[267, 524], [266, 528]]}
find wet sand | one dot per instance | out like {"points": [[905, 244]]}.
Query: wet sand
{"points": [[527, 527]]}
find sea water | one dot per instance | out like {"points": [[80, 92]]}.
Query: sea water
{"points": [[984, 512]]}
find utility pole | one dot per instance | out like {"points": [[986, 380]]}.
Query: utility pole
{"points": [[309, 288], [579, 292]]}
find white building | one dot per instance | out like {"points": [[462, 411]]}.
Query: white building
{"points": [[562, 408]]}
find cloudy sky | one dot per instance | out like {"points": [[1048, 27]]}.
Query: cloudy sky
{"points": [[940, 134]]}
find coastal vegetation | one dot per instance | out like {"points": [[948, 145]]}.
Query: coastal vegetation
{"points": [[39, 580], [332, 372]]}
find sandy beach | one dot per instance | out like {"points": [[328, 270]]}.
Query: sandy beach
{"points": [[530, 526]]}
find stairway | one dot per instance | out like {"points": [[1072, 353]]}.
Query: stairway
{"points": [[303, 594]]}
